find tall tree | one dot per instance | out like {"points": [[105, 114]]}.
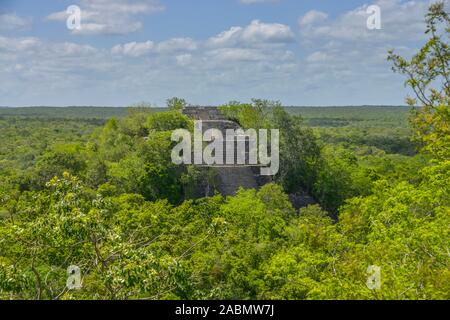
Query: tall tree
{"points": [[428, 74]]}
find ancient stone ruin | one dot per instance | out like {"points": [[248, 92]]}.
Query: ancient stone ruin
{"points": [[230, 177]]}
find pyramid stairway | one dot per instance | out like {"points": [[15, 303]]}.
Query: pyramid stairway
{"points": [[231, 177]]}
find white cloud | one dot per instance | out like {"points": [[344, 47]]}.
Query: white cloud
{"points": [[31, 46], [312, 17], [317, 56], [134, 49], [236, 54], [177, 45], [11, 21], [265, 32], [230, 37], [18, 44], [139, 49], [72, 49], [256, 33], [184, 59], [110, 17], [336, 61], [399, 19], [342, 55], [137, 70]]}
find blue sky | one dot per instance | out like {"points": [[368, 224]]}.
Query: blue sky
{"points": [[209, 52]]}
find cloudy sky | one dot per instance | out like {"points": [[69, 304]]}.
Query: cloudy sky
{"points": [[308, 52]]}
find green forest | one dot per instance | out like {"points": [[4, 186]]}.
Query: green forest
{"points": [[96, 188]]}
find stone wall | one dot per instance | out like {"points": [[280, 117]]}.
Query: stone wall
{"points": [[230, 178]]}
